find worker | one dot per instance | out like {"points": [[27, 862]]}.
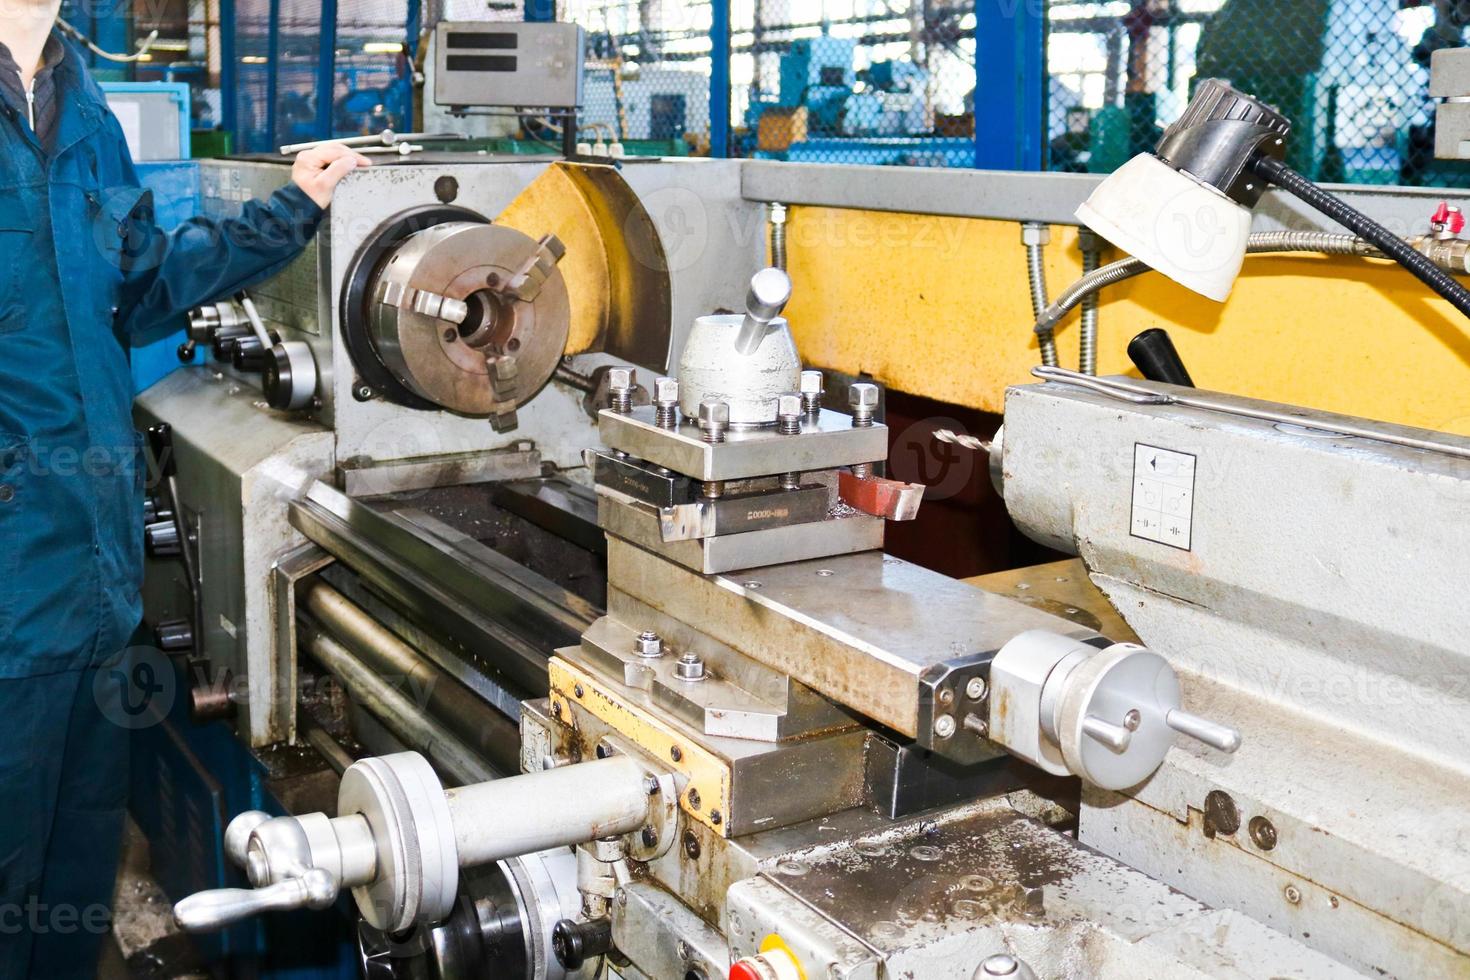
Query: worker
{"points": [[84, 273]]}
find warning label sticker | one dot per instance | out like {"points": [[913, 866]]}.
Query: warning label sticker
{"points": [[1163, 496]]}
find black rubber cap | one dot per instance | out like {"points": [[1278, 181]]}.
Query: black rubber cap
{"points": [[574, 943]]}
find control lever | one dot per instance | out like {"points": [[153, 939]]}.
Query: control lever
{"points": [[1154, 354], [400, 837], [161, 447], [770, 291], [1107, 715], [288, 368], [314, 889]]}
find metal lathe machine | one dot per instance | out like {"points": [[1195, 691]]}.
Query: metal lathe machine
{"points": [[518, 516]]}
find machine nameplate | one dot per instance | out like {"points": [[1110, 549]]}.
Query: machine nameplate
{"points": [[1163, 496]]}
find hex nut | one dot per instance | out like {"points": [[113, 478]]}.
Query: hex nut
{"points": [[666, 391], [648, 644], [1035, 233], [863, 397]]}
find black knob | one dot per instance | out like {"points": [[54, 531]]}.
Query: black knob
{"points": [[161, 538], [1154, 354], [577, 942], [225, 338], [174, 636], [249, 354]]}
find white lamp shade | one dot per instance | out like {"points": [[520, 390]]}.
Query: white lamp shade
{"points": [[1191, 233]]}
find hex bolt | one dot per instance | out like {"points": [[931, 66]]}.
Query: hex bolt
{"points": [[788, 423], [666, 403], [975, 688], [714, 419], [811, 393], [689, 667], [648, 644], [944, 726], [650, 785], [862, 398], [788, 414], [976, 725], [620, 389]]}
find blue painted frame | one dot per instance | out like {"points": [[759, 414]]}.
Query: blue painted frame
{"points": [[228, 72], [272, 65], [326, 69], [719, 79], [1010, 84]]}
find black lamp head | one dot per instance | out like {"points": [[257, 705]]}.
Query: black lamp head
{"points": [[1218, 135]]}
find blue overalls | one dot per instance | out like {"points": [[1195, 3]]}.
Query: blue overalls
{"points": [[83, 273]]}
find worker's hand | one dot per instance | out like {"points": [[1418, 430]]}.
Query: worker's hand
{"points": [[318, 170]]}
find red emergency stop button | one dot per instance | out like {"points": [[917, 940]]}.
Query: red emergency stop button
{"points": [[773, 964], [744, 971]]}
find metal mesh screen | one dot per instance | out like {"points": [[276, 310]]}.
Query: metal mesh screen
{"points": [[854, 81], [648, 73], [1350, 74]]}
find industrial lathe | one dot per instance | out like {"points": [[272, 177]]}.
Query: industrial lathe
{"points": [[520, 517]]}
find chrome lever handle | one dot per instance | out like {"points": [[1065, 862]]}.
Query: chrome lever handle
{"points": [[219, 907], [770, 291], [1213, 734]]}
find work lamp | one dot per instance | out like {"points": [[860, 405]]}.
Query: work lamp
{"points": [[1185, 209]]}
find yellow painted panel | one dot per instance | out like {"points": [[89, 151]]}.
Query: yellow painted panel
{"points": [[939, 307], [709, 777]]}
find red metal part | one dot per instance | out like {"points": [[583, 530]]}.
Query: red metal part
{"points": [[888, 499]]}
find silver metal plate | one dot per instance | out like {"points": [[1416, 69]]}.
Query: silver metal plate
{"points": [[752, 549], [830, 443]]}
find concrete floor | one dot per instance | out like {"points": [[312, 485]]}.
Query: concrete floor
{"points": [[145, 943]]}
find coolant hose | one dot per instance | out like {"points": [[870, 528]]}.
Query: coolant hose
{"points": [[1365, 227], [1322, 242]]}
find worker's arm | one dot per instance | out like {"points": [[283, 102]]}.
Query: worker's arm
{"points": [[167, 273]]}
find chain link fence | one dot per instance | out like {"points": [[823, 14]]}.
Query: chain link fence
{"points": [[853, 81], [1351, 75], [647, 74]]}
